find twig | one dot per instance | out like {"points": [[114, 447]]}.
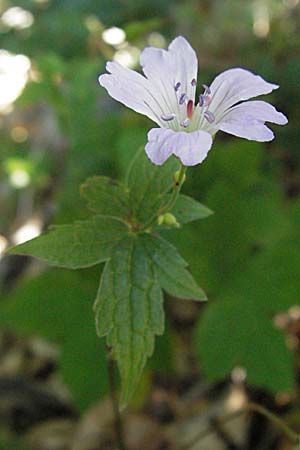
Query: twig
{"points": [[279, 423], [210, 430], [296, 370], [223, 435], [114, 400]]}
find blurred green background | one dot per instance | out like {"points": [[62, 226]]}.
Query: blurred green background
{"points": [[58, 126]]}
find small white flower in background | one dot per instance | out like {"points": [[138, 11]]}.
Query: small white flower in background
{"points": [[167, 95]]}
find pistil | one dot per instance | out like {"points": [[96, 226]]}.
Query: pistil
{"points": [[189, 109]]}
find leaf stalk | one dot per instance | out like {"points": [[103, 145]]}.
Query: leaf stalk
{"points": [[118, 425]]}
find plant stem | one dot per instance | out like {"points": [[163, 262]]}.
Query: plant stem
{"points": [[292, 435], [171, 202], [279, 423], [114, 400], [296, 358], [177, 186]]}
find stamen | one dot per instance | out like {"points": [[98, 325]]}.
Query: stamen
{"points": [[207, 89], [167, 117], [185, 123], [206, 100], [177, 86], [194, 82], [189, 109], [201, 100], [182, 99], [209, 116]]}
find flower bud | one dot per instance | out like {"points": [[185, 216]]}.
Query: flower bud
{"points": [[167, 219], [176, 177]]}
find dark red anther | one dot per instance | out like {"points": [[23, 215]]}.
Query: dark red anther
{"points": [[189, 108]]}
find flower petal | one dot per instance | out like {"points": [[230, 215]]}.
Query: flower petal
{"points": [[247, 120], [167, 68], [132, 89], [190, 148], [186, 63], [258, 110], [158, 147], [235, 85]]}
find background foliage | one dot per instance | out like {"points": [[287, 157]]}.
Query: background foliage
{"points": [[64, 128]]}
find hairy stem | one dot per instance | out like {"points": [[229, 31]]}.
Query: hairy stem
{"points": [[171, 202], [114, 400], [177, 186]]}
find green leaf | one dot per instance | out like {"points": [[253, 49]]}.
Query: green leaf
{"points": [[79, 245], [129, 310], [106, 196], [148, 184], [128, 306], [170, 268], [235, 333], [187, 209], [238, 327]]}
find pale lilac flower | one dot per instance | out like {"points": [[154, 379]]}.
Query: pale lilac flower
{"points": [[167, 95]]}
